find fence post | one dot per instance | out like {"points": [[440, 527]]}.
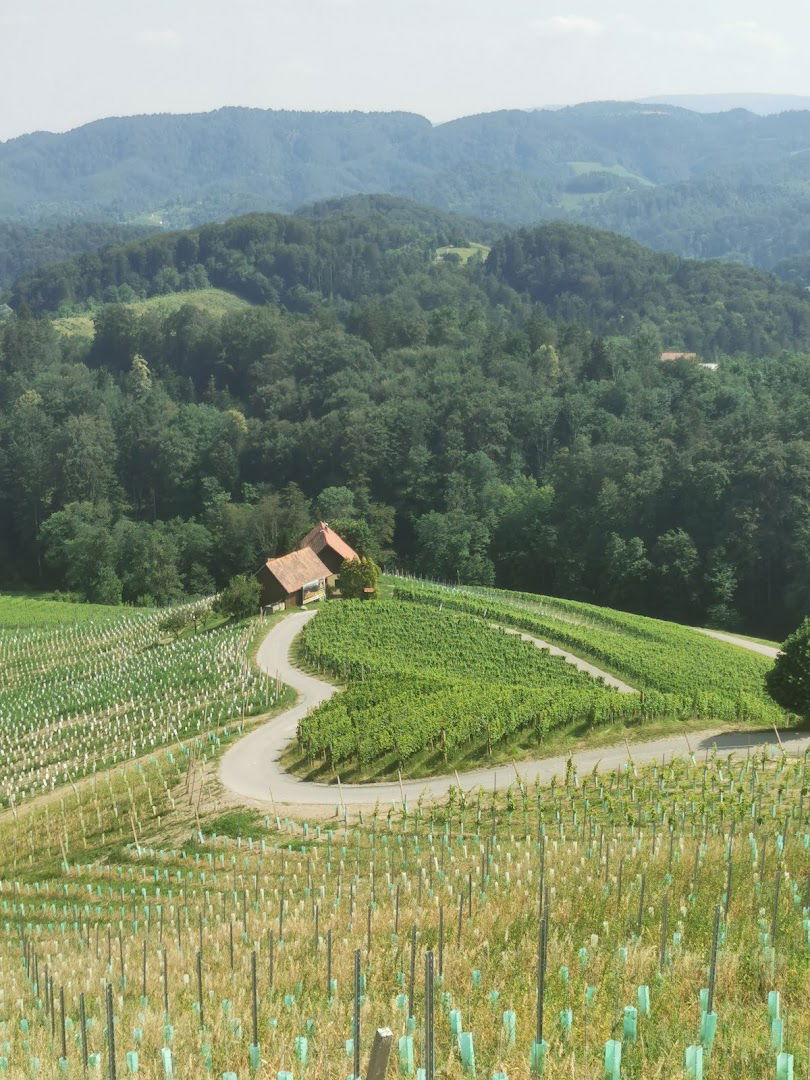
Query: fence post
{"points": [[111, 1031], [380, 1053], [356, 1019]]}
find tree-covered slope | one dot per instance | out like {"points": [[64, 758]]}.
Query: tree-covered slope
{"points": [[24, 248], [262, 257], [612, 285], [449, 421], [754, 216], [345, 251], [131, 165]]}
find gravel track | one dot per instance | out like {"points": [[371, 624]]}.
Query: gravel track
{"points": [[730, 639]]}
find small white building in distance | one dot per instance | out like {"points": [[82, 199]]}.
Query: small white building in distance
{"points": [[670, 357]]}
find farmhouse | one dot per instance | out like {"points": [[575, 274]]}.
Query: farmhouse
{"points": [[669, 357], [302, 576], [329, 547], [293, 580]]}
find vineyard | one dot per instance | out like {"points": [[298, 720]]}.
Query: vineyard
{"points": [[28, 611], [647, 652], [428, 677], [644, 923], [85, 687]]}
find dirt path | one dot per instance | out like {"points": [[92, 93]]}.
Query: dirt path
{"points": [[730, 639], [570, 658], [251, 769]]}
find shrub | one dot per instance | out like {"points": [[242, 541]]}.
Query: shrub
{"points": [[788, 681], [356, 576], [239, 599]]}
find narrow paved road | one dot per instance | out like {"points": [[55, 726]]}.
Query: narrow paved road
{"points": [[251, 768], [752, 646]]}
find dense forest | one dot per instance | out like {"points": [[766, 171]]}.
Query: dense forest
{"points": [[452, 417], [729, 185], [754, 219], [340, 250], [25, 248], [611, 285], [346, 251]]}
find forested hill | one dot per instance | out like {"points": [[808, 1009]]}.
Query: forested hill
{"points": [[731, 185], [332, 250], [24, 248], [611, 285], [348, 250], [400, 385]]}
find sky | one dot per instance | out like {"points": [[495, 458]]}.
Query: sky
{"points": [[64, 64]]}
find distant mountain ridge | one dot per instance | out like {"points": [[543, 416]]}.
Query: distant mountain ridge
{"points": [[761, 104], [730, 185]]}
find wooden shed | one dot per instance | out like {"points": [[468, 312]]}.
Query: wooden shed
{"points": [[293, 580]]}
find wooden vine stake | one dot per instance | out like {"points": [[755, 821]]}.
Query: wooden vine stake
{"points": [[662, 952], [200, 989], [708, 1021], [111, 1031], [412, 979], [254, 1002], [356, 1019], [165, 988], [430, 1065], [441, 941], [540, 1046], [83, 1027], [64, 1033], [380, 1053]]}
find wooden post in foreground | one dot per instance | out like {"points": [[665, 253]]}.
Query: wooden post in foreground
{"points": [[380, 1053]]}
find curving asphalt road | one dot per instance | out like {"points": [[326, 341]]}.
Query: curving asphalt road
{"points": [[251, 769]]}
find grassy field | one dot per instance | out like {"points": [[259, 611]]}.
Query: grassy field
{"points": [[85, 687], [470, 251], [581, 167], [216, 302]]}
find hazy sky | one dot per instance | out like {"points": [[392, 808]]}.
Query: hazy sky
{"points": [[64, 63]]}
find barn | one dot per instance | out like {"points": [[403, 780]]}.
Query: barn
{"points": [[302, 576], [293, 580], [330, 548]]}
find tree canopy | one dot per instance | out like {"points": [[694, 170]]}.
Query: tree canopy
{"points": [[788, 681]]}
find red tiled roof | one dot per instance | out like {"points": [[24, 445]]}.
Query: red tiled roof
{"points": [[297, 569], [322, 536], [678, 356]]}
